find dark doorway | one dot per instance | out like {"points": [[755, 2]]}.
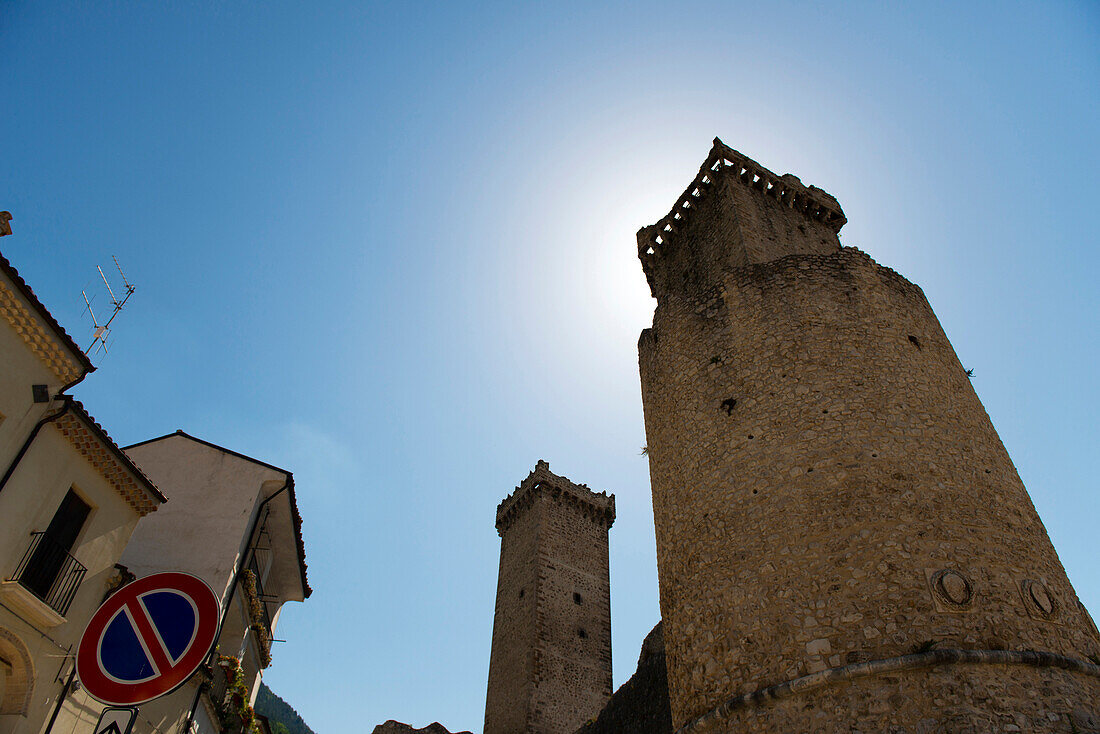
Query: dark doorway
{"points": [[52, 547]]}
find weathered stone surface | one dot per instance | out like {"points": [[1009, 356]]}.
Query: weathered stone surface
{"points": [[550, 666], [396, 727], [827, 487], [640, 706]]}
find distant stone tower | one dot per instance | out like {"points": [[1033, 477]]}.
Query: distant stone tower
{"points": [[550, 668], [843, 542]]}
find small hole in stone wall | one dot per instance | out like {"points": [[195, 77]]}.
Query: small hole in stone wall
{"points": [[874, 456], [756, 491], [987, 471], [521, 593], [914, 341], [751, 436], [582, 634], [576, 598], [825, 411], [809, 470], [728, 405]]}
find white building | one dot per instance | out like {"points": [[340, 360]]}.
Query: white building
{"points": [[233, 521], [69, 501]]}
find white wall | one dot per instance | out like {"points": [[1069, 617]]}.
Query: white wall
{"points": [[212, 499]]}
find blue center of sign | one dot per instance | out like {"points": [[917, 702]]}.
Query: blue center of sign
{"points": [[174, 619], [122, 654]]}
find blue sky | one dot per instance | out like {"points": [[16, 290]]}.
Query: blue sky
{"points": [[391, 248]]}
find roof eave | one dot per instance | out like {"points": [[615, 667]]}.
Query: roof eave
{"points": [[147, 484], [27, 293]]}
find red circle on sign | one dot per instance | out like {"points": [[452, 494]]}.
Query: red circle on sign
{"points": [[168, 671]]}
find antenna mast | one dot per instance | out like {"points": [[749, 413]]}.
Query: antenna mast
{"points": [[101, 332]]}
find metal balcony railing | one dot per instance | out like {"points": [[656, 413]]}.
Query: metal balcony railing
{"points": [[49, 572]]}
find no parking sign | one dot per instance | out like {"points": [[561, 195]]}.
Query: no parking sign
{"points": [[147, 639]]}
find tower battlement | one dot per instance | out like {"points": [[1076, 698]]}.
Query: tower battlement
{"points": [[599, 506], [734, 213]]}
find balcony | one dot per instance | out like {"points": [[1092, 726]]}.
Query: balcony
{"points": [[45, 581]]}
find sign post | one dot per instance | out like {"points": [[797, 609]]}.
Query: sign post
{"points": [[147, 639]]}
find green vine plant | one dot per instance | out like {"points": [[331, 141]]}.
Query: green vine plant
{"points": [[237, 694], [256, 617]]}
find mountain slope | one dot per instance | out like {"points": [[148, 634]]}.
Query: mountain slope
{"points": [[280, 713]]}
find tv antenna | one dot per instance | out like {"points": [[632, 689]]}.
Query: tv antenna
{"points": [[102, 331]]}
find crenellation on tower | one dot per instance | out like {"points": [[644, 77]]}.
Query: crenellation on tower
{"points": [[599, 505], [735, 213]]}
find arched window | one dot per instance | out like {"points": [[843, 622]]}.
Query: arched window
{"points": [[17, 670]]}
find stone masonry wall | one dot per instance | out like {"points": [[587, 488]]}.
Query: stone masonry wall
{"points": [[954, 699], [828, 490], [553, 608]]}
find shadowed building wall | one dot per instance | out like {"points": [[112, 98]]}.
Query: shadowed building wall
{"points": [[640, 706], [833, 507], [550, 666]]}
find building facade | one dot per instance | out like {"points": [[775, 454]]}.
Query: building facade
{"points": [[69, 501], [71, 532], [843, 542], [550, 665], [233, 522]]}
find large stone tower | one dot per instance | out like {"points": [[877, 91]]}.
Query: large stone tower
{"points": [[550, 667], [843, 542]]}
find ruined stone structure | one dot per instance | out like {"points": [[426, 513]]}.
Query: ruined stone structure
{"points": [[640, 706], [843, 542], [396, 727], [550, 666]]}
